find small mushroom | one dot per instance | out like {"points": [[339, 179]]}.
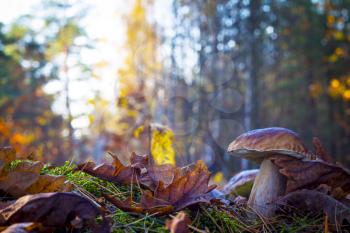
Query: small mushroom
{"points": [[257, 146], [241, 184]]}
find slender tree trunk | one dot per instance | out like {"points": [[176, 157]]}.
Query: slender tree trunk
{"points": [[253, 67], [65, 70]]}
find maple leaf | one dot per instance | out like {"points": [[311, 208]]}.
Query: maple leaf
{"points": [[189, 186], [54, 210], [309, 174], [179, 224]]}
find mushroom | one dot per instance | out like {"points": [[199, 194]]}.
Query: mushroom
{"points": [[257, 146], [241, 184]]}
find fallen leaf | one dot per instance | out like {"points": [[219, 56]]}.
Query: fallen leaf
{"points": [[309, 174], [158, 173], [316, 202], [320, 151], [53, 210], [139, 171], [189, 186], [49, 183], [7, 154], [17, 180], [179, 224], [25, 179], [115, 172]]}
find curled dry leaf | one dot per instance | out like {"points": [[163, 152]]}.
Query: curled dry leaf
{"points": [[309, 174], [316, 202], [53, 210], [116, 172], [179, 224], [25, 179], [139, 171], [189, 186], [49, 183], [320, 151]]}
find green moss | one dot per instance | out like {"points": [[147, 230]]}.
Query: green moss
{"points": [[85, 181], [13, 164], [210, 219], [243, 190], [124, 222]]}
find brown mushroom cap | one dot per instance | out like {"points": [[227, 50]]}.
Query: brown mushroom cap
{"points": [[255, 145]]}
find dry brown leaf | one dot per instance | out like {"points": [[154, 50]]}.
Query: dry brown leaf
{"points": [[309, 174], [179, 224], [115, 172], [25, 179], [53, 210], [7, 154], [189, 186], [316, 202], [320, 151], [16, 181], [139, 171], [49, 183]]}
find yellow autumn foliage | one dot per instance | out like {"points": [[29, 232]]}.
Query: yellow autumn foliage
{"points": [[162, 146]]}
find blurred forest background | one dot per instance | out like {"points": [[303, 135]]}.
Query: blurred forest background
{"points": [[187, 84]]}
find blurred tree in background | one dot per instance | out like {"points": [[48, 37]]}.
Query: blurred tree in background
{"points": [[221, 68], [26, 118]]}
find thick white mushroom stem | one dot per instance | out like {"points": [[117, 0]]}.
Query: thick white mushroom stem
{"points": [[268, 185]]}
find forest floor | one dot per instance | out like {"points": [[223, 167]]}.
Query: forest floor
{"points": [[204, 218], [85, 189]]}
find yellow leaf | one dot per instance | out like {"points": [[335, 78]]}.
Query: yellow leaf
{"points": [[162, 145], [218, 177], [138, 131]]}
